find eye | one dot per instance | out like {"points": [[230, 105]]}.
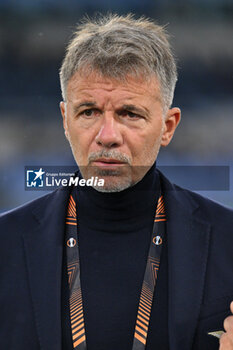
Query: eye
{"points": [[89, 112], [133, 115], [130, 115]]}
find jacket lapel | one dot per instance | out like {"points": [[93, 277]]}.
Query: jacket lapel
{"points": [[44, 251], [188, 242]]}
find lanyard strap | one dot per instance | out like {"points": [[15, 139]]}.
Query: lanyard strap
{"points": [[148, 286]]}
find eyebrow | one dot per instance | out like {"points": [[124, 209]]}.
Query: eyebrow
{"points": [[84, 104]]}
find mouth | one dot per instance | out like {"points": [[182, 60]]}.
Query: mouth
{"points": [[108, 162]]}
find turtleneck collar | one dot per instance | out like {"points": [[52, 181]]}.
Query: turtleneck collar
{"points": [[132, 202]]}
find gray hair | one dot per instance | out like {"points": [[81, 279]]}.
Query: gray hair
{"points": [[117, 46]]}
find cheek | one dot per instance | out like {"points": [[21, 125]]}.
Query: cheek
{"points": [[147, 140], [145, 148], [81, 141]]}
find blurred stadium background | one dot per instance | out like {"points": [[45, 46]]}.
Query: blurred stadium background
{"points": [[33, 35]]}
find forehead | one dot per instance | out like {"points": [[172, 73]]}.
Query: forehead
{"points": [[95, 85]]}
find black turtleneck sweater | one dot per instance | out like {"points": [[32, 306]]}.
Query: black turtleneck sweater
{"points": [[114, 231]]}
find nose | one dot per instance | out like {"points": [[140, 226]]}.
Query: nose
{"points": [[109, 134]]}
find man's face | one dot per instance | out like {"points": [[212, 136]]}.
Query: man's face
{"points": [[115, 128]]}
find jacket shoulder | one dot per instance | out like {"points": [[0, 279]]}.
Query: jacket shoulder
{"points": [[195, 202], [209, 207], [21, 213]]}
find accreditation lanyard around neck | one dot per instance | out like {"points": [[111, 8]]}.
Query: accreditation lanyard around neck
{"points": [[148, 286]]}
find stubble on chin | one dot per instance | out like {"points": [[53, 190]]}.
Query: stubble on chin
{"points": [[115, 180]]}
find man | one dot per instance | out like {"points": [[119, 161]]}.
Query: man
{"points": [[138, 263]]}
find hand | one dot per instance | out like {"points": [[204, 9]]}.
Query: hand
{"points": [[226, 340]]}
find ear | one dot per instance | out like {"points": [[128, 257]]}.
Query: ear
{"points": [[172, 120], [63, 113]]}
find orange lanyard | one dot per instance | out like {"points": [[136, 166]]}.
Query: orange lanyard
{"points": [[148, 286]]}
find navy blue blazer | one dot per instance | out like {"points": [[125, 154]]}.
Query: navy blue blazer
{"points": [[200, 276]]}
